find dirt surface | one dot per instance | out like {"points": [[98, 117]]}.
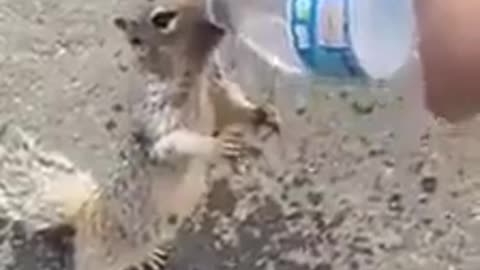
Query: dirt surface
{"points": [[340, 190]]}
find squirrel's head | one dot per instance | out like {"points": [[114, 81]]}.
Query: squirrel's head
{"points": [[176, 29]]}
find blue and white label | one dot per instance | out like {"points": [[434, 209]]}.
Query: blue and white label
{"points": [[331, 24], [319, 33], [303, 9], [303, 38]]}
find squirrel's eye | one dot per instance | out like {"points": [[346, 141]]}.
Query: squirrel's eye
{"points": [[163, 19]]}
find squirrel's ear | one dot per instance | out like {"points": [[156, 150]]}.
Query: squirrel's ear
{"points": [[120, 23], [210, 34]]}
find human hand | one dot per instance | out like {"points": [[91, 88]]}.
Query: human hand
{"points": [[449, 49]]}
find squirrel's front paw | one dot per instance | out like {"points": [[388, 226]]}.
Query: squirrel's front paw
{"points": [[269, 116], [231, 143]]}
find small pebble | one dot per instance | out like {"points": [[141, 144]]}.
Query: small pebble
{"points": [[395, 202], [117, 107], [423, 198], [429, 184], [123, 67], [363, 108], [111, 125], [323, 266], [76, 137], [315, 198]]}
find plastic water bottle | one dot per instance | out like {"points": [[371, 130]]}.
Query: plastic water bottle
{"points": [[326, 37], [344, 39], [262, 26]]}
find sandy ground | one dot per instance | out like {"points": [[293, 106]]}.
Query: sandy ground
{"points": [[338, 191]]}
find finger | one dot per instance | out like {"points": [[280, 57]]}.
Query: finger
{"points": [[233, 147], [231, 154], [233, 137]]}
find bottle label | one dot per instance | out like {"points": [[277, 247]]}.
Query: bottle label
{"points": [[303, 9], [331, 24], [318, 32], [303, 38], [300, 22]]}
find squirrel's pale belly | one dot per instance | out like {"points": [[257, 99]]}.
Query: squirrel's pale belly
{"points": [[146, 208]]}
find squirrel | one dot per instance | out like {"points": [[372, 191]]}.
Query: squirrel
{"points": [[184, 114]]}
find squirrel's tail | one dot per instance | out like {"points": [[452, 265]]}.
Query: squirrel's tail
{"points": [[40, 188]]}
